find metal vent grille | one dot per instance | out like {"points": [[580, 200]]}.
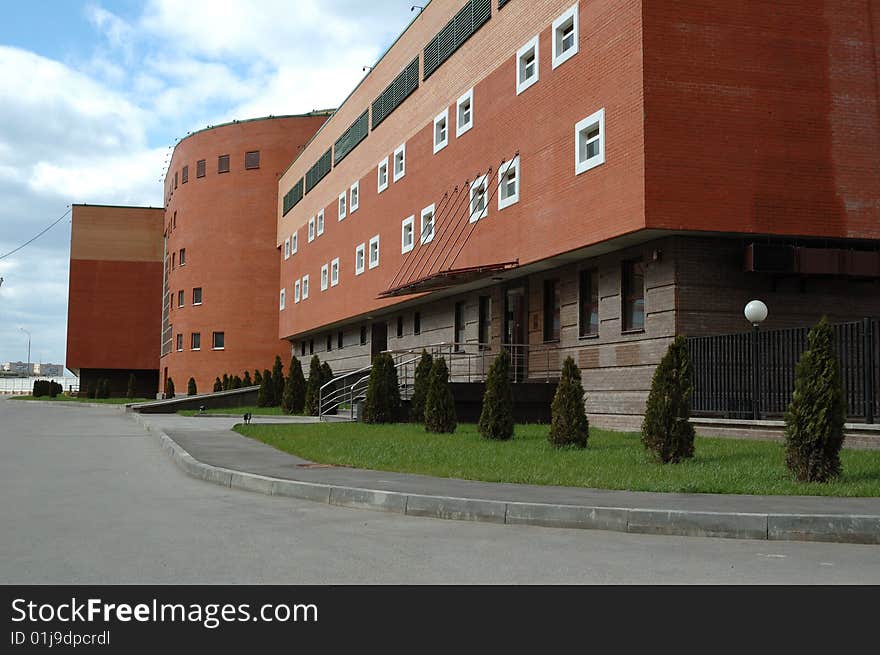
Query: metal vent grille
{"points": [[252, 159], [317, 172], [396, 92], [292, 197], [223, 164], [468, 20], [351, 137]]}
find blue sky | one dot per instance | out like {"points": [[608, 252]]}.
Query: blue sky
{"points": [[93, 93]]}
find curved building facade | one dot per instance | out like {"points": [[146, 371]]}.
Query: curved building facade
{"points": [[220, 294]]}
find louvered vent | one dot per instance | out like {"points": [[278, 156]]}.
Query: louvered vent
{"points": [[292, 197], [252, 159], [351, 137], [317, 172], [398, 91], [468, 20]]}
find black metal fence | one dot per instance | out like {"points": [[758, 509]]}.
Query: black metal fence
{"points": [[751, 374]]}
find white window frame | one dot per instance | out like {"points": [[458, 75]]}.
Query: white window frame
{"points": [[382, 165], [483, 182], [296, 295], [360, 259], [320, 224], [534, 43], [311, 229], [287, 248], [282, 299], [334, 272], [422, 238], [441, 118], [191, 334], [341, 205], [325, 277], [502, 174], [214, 340], [461, 128], [294, 242], [597, 118], [179, 344], [355, 196], [305, 287], [560, 58], [373, 264], [399, 150], [409, 222]]}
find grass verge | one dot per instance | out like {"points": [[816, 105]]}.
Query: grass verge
{"points": [[256, 411], [613, 460]]}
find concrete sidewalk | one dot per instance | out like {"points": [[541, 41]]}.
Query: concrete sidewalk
{"points": [[207, 448]]}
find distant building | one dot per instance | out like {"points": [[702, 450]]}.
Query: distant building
{"points": [[23, 369], [48, 370]]}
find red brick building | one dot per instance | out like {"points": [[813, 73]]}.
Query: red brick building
{"points": [[589, 179]]}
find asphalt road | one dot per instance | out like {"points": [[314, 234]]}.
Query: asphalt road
{"points": [[89, 498]]}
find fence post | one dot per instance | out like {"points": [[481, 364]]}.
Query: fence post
{"points": [[868, 365], [756, 380]]}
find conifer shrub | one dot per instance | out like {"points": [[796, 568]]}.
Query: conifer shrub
{"points": [[312, 386], [277, 381], [327, 376], [496, 417], [191, 387], [169, 388], [55, 389], [439, 405], [258, 378], [420, 387], [246, 381], [131, 391], [40, 389], [225, 382], [382, 403], [92, 389], [264, 395], [298, 386], [236, 382], [218, 385], [103, 388], [814, 421], [569, 425], [666, 430]]}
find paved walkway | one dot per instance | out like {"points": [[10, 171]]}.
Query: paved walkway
{"points": [[207, 448]]}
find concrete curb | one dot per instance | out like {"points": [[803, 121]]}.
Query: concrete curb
{"points": [[732, 525]]}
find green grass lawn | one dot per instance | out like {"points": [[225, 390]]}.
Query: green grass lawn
{"points": [[256, 411], [612, 460], [73, 399]]}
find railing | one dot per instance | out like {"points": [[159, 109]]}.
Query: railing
{"points": [[751, 374]]}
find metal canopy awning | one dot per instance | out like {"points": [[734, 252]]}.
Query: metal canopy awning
{"points": [[447, 278]]}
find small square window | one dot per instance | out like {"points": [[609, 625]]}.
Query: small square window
{"points": [[325, 277], [296, 292], [354, 192], [223, 164], [282, 298], [359, 259], [197, 295], [294, 243], [342, 205], [195, 341], [374, 251], [400, 162], [407, 234], [311, 229], [183, 256], [527, 65], [180, 298], [319, 223], [179, 343], [426, 229], [184, 175], [479, 199], [334, 272], [305, 287], [441, 131], [565, 36], [589, 142], [252, 159], [200, 168], [508, 183], [382, 172], [464, 110], [287, 248], [218, 341]]}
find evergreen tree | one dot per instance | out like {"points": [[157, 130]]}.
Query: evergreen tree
{"points": [[258, 379], [327, 376], [247, 382], [264, 395], [298, 386], [439, 404], [92, 389], [382, 404], [312, 386], [420, 387], [132, 385], [277, 381], [104, 388], [169, 388], [191, 387], [225, 382], [236, 382], [815, 418], [666, 430], [496, 417], [218, 385], [569, 425]]}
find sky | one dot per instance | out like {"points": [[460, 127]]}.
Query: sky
{"points": [[92, 94]]}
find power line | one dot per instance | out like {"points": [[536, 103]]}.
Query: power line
{"points": [[30, 241]]}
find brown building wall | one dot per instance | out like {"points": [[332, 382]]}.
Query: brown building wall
{"points": [[226, 224], [114, 305]]}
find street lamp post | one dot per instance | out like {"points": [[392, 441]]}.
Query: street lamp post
{"points": [[756, 313], [29, 351]]}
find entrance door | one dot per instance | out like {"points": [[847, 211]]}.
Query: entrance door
{"points": [[515, 330], [379, 342]]}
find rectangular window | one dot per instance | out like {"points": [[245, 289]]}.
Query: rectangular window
{"points": [[325, 277], [218, 341], [287, 248], [175, 179], [334, 272], [179, 343], [173, 259], [427, 227], [311, 346], [180, 298], [183, 256], [223, 164], [589, 142], [363, 335], [374, 251], [252, 159], [485, 322], [340, 340], [294, 243], [354, 192], [341, 205], [302, 346], [195, 341], [588, 303], [305, 287], [200, 168], [184, 175], [479, 199], [382, 172], [311, 229], [400, 162], [197, 295], [527, 65], [459, 326], [319, 223], [633, 292], [359, 259], [464, 111], [441, 131], [508, 183], [282, 298], [329, 342], [417, 323], [407, 234], [174, 221], [551, 310], [296, 292], [399, 327], [565, 36]]}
